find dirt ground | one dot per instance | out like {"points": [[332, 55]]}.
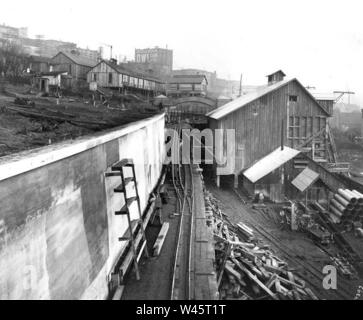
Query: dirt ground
{"points": [[306, 258], [21, 127]]}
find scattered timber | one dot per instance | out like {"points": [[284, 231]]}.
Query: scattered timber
{"points": [[246, 268]]}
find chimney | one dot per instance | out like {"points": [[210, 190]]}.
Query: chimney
{"points": [[275, 77]]}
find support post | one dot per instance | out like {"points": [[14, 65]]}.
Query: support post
{"points": [[235, 181], [218, 181]]}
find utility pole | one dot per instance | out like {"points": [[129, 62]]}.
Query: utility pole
{"points": [[342, 93], [110, 46], [240, 86]]}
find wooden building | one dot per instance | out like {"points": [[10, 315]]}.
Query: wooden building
{"points": [[110, 75], [77, 66], [187, 85], [51, 82], [272, 126], [38, 64]]}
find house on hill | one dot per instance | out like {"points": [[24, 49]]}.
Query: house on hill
{"points": [[273, 125], [75, 65], [110, 75]]}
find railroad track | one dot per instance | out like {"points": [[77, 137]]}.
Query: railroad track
{"points": [[182, 283], [315, 273]]}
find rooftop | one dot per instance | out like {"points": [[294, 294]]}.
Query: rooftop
{"points": [[190, 78], [79, 59], [252, 96]]}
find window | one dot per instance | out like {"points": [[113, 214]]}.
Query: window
{"points": [[95, 77], [110, 78], [292, 98], [294, 127]]}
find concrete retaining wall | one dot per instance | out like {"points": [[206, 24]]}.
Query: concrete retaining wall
{"points": [[58, 231]]}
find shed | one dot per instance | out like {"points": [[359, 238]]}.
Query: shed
{"points": [[282, 113], [77, 66]]}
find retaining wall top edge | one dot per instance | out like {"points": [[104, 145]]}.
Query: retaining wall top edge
{"points": [[24, 161]]}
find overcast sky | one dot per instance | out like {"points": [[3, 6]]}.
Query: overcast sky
{"points": [[319, 42]]}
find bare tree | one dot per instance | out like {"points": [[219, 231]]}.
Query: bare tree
{"points": [[13, 60]]}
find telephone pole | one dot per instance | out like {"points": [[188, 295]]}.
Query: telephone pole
{"points": [[240, 86], [342, 93]]}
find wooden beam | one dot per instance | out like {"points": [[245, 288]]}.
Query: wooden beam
{"points": [[255, 279], [118, 293], [161, 238]]}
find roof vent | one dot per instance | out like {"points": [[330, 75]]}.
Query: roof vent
{"points": [[275, 77]]}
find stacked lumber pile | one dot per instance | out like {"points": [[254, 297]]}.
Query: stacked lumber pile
{"points": [[346, 207], [246, 268]]}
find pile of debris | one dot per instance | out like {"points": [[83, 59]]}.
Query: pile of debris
{"points": [[247, 269], [347, 207]]}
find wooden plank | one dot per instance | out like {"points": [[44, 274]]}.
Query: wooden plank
{"points": [[141, 251], [255, 279], [160, 239], [227, 254], [118, 293], [311, 294]]}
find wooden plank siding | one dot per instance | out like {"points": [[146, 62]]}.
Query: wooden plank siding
{"points": [[101, 74], [260, 124], [62, 63]]}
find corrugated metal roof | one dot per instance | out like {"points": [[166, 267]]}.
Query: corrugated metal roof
{"points": [[270, 163], [252, 96], [305, 179]]}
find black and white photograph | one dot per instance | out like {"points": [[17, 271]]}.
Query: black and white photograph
{"points": [[199, 154]]}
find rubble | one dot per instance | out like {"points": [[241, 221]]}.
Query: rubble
{"points": [[246, 268]]}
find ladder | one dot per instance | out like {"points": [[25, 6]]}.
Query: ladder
{"points": [[118, 170], [332, 145]]}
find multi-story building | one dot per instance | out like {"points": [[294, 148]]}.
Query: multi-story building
{"points": [[7, 32], [160, 60], [87, 53], [217, 86]]}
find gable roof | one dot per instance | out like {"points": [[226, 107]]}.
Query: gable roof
{"points": [[39, 59], [252, 96], [278, 71], [190, 78], [121, 69], [78, 59]]}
